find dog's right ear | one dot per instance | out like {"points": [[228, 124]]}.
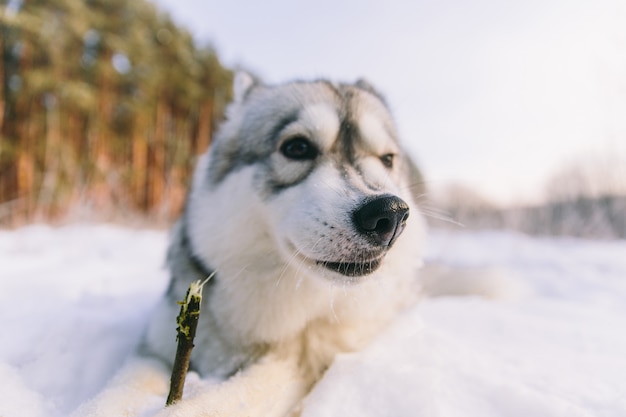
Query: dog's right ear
{"points": [[243, 83]]}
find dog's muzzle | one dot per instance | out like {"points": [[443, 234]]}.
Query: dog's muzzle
{"points": [[380, 220]]}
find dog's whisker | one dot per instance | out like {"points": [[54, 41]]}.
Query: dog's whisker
{"points": [[439, 214], [302, 263], [283, 272], [294, 256], [290, 262], [415, 185]]}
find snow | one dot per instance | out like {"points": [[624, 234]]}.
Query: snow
{"points": [[73, 301]]}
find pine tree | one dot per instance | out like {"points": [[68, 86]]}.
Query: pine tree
{"points": [[103, 103]]}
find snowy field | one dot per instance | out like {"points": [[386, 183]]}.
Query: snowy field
{"points": [[73, 301]]}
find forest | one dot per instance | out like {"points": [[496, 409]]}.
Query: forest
{"points": [[104, 106]]}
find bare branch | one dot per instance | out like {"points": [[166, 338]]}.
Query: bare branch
{"points": [[187, 321]]}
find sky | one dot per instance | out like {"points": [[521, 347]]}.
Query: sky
{"points": [[494, 95]]}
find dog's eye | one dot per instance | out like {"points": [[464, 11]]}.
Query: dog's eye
{"points": [[298, 148], [387, 160]]}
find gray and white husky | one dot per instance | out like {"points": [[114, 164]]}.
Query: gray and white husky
{"points": [[304, 206]]}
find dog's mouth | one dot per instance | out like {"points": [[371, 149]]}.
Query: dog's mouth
{"points": [[353, 269], [360, 265]]}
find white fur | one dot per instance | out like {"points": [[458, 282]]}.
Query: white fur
{"points": [[377, 132], [271, 296], [372, 130], [319, 122]]}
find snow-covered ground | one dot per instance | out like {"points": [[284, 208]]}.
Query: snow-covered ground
{"points": [[73, 301]]}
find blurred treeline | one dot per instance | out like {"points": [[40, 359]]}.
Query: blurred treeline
{"points": [[104, 105], [584, 198], [587, 217]]}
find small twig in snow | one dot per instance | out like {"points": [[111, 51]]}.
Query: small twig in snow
{"points": [[187, 321]]}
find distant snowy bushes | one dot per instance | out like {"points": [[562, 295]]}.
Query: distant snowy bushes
{"points": [[585, 198], [590, 217]]}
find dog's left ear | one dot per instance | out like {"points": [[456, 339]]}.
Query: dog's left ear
{"points": [[364, 84], [243, 83]]}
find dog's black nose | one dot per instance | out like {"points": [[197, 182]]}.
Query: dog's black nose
{"points": [[381, 219]]}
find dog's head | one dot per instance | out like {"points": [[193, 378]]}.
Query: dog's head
{"points": [[308, 176]]}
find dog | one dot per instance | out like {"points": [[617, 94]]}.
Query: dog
{"points": [[305, 209]]}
